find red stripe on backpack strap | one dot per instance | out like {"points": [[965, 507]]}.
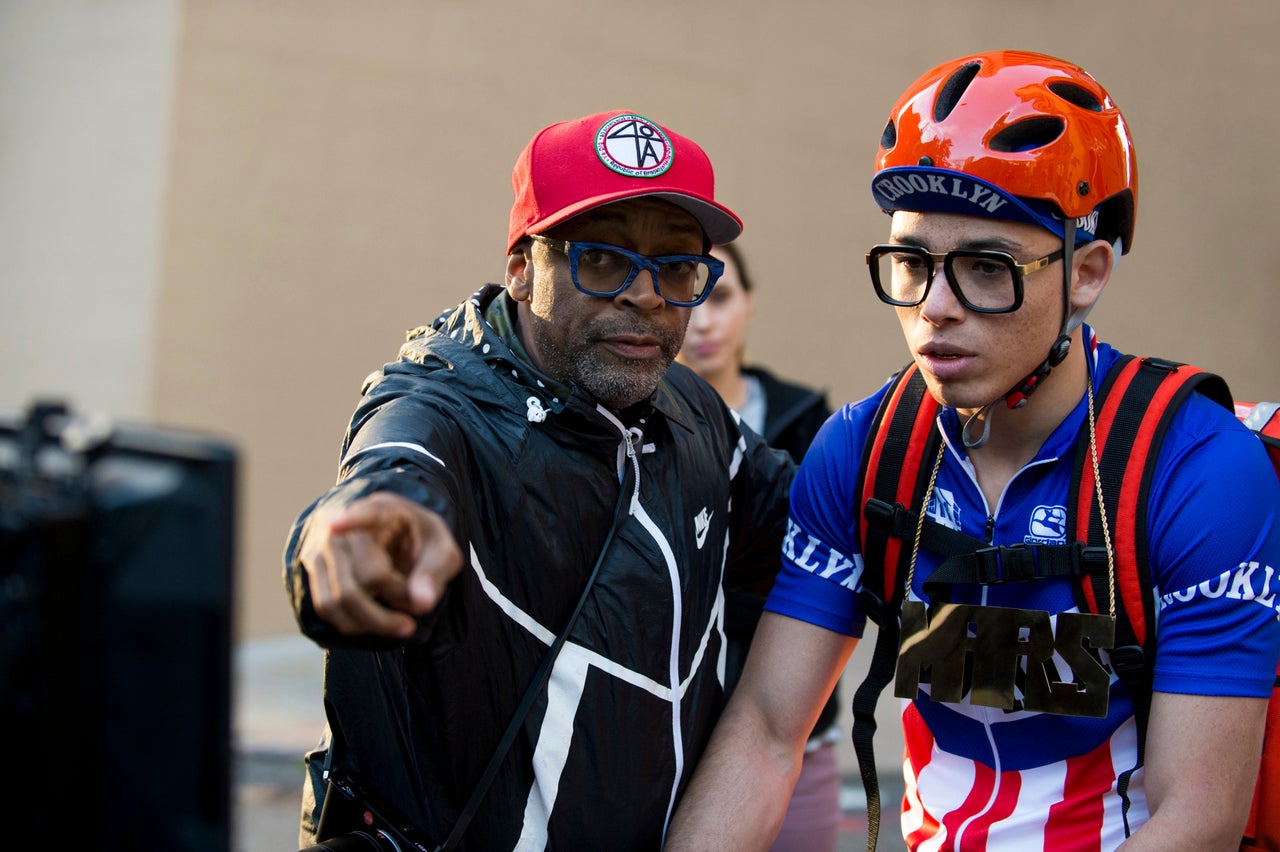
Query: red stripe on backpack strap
{"points": [[1087, 498], [915, 464], [1133, 491], [921, 431], [1136, 406], [878, 436], [1125, 536]]}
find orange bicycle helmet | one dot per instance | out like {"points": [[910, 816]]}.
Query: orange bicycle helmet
{"points": [[1013, 135]]}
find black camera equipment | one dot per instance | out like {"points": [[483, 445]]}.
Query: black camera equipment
{"points": [[116, 553], [381, 826]]}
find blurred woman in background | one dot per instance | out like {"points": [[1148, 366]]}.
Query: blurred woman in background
{"points": [[787, 415]]}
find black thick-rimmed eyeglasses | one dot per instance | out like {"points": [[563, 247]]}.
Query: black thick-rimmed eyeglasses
{"points": [[600, 269], [987, 282]]}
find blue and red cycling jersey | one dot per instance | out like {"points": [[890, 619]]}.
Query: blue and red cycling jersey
{"points": [[1017, 779]]}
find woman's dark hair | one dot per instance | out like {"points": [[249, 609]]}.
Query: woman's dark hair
{"points": [[731, 250]]}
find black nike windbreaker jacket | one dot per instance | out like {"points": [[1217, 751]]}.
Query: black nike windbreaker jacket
{"points": [[528, 481]]}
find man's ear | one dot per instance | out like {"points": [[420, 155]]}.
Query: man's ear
{"points": [[1094, 263], [520, 272]]}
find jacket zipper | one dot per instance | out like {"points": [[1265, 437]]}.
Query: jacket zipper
{"points": [[673, 674]]}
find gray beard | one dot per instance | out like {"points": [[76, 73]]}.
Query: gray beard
{"points": [[616, 382]]}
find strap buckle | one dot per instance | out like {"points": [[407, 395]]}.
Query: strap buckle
{"points": [[1006, 563], [1092, 560], [896, 518], [1128, 661]]}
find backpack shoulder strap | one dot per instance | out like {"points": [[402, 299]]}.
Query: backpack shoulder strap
{"points": [[894, 470], [1137, 402]]}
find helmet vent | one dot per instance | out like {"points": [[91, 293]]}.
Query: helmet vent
{"points": [[1027, 135], [890, 137], [1077, 95], [954, 89]]}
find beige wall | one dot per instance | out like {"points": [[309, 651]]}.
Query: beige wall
{"points": [[85, 90], [338, 172]]}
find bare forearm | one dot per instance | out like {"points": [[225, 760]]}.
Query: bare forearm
{"points": [[1181, 832], [739, 793], [742, 785], [1202, 762]]}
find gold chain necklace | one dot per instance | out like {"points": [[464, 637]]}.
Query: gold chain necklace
{"points": [[1097, 489]]}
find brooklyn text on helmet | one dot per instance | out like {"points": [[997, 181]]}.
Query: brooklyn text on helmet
{"points": [[955, 192], [893, 187]]}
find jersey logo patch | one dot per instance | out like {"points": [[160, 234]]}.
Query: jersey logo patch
{"points": [[944, 509], [1048, 525]]}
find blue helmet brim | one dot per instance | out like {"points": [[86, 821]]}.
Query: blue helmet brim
{"points": [[929, 189]]}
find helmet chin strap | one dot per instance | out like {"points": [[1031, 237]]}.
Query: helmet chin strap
{"points": [[1021, 392]]}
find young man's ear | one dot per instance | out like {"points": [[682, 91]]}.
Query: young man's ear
{"points": [[1093, 262], [520, 272]]}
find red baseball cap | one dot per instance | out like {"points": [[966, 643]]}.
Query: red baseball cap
{"points": [[573, 166]]}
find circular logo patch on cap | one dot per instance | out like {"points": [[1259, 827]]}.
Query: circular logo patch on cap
{"points": [[633, 145]]}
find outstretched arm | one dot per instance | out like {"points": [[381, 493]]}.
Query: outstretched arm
{"points": [[377, 564], [740, 789]]}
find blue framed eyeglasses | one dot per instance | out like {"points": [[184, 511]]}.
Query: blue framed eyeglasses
{"points": [[600, 269]]}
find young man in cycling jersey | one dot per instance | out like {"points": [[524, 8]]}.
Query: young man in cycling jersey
{"points": [[1011, 183]]}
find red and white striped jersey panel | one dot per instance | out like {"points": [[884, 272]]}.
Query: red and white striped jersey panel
{"points": [[1063, 806]]}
